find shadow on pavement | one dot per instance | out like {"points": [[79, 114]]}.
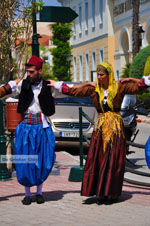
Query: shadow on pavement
{"points": [[133, 163], [56, 195], [10, 196], [48, 196], [72, 148]]}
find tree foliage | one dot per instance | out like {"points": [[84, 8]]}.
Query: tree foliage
{"points": [[16, 29], [46, 69], [138, 63], [125, 71], [14, 25], [61, 36], [137, 69]]}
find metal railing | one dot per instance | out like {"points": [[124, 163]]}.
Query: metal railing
{"points": [[4, 173], [76, 172], [82, 137]]}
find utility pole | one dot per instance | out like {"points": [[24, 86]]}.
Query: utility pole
{"points": [[35, 36]]}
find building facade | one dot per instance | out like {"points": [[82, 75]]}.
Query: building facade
{"points": [[93, 36], [123, 13], [103, 32]]}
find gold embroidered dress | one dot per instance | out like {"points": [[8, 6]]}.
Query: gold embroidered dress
{"points": [[105, 164]]}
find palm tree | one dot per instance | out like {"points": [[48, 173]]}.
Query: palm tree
{"points": [[135, 27]]}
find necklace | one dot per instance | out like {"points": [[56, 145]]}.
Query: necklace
{"points": [[105, 96]]}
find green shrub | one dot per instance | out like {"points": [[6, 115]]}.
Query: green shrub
{"points": [[143, 96], [61, 37], [138, 63]]}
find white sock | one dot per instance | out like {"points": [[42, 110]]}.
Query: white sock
{"points": [[27, 191], [39, 189]]}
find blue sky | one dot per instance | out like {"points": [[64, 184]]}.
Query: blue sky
{"points": [[51, 3]]}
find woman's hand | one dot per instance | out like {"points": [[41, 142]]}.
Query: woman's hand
{"points": [[92, 83], [52, 83], [85, 84], [135, 80], [17, 80]]}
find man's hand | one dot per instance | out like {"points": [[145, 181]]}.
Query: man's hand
{"points": [[123, 80]]}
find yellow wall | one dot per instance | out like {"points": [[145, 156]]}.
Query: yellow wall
{"points": [[111, 49], [106, 43]]}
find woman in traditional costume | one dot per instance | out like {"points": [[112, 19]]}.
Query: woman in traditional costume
{"points": [[105, 165]]}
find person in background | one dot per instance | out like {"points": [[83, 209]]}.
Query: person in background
{"points": [[105, 164]]}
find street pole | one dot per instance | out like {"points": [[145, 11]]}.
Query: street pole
{"points": [[35, 43], [4, 173]]}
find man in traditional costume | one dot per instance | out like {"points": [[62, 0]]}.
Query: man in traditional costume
{"points": [[34, 138]]}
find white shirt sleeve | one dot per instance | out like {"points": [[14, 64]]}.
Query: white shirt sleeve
{"points": [[13, 85], [16, 88], [147, 80]]}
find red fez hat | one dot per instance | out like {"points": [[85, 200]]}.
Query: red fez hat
{"points": [[35, 61]]}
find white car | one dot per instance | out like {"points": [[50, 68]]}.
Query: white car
{"points": [[65, 122]]}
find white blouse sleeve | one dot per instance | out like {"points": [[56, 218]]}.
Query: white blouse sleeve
{"points": [[57, 90], [58, 86]]}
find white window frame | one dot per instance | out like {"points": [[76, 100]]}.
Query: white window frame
{"points": [[93, 60], [101, 55], [81, 67], [93, 14], [117, 75], [74, 25], [74, 68], [86, 5], [100, 12], [87, 66], [80, 19]]}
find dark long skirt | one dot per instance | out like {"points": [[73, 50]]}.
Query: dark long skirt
{"points": [[104, 171]]}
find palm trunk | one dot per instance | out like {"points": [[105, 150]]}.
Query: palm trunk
{"points": [[135, 27]]}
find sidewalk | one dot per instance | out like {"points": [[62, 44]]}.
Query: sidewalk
{"points": [[64, 205], [144, 119]]}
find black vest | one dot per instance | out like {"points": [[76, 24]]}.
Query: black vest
{"points": [[45, 98]]}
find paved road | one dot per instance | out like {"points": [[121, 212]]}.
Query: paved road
{"points": [[65, 207]]}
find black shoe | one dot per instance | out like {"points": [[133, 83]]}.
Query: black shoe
{"points": [[90, 200], [33, 198], [101, 201], [27, 200], [39, 199], [111, 201]]}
